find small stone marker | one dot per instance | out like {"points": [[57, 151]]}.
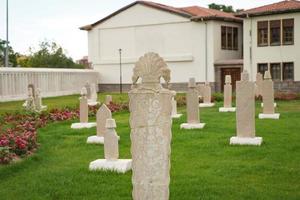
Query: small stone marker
{"points": [[34, 100], [268, 98], [206, 96], [258, 84], [227, 96], [108, 99], [150, 121], [174, 108], [38, 101], [93, 100], [111, 152], [192, 103], [245, 113], [83, 112], [103, 114]]}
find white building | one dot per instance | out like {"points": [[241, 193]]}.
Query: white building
{"points": [[196, 42], [272, 41], [189, 39]]}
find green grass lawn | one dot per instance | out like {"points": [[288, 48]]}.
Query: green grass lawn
{"points": [[203, 165]]}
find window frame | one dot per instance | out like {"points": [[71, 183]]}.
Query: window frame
{"points": [[259, 43], [272, 25], [283, 31], [283, 71], [229, 33], [280, 71]]}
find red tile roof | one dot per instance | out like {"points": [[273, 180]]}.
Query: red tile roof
{"points": [[192, 12], [275, 8]]}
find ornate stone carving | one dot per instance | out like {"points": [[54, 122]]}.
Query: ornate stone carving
{"points": [[150, 122]]}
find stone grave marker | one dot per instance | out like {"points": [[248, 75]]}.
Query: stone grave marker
{"points": [[227, 96]]}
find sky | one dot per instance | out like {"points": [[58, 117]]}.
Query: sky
{"points": [[33, 21]]}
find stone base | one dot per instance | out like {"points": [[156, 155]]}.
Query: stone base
{"points": [[176, 116], [120, 165], [83, 125], [93, 103], [246, 141], [95, 140], [269, 116], [262, 105], [192, 126], [203, 105], [232, 109]]}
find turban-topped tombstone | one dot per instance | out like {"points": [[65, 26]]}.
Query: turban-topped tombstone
{"points": [[150, 120], [192, 104], [268, 98]]}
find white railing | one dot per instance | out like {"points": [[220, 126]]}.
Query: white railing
{"points": [[52, 82]]}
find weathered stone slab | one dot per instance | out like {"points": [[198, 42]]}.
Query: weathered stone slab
{"points": [[108, 99], [150, 121]]}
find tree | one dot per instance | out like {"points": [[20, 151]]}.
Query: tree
{"points": [[12, 56], [221, 7], [49, 55]]}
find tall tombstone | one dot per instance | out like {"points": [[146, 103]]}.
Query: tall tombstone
{"points": [[245, 112], [245, 103], [174, 107], [111, 143], [83, 110], [227, 92], [150, 122], [268, 98], [192, 103], [103, 114], [207, 93], [30, 103], [258, 84], [88, 90]]}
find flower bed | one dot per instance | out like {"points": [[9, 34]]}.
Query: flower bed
{"points": [[18, 131]]}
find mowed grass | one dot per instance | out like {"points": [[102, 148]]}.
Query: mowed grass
{"points": [[203, 164]]}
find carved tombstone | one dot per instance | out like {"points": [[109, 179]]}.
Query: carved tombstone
{"points": [[207, 93], [108, 99], [258, 84], [268, 94], [103, 114], [150, 122], [192, 103], [200, 88], [227, 92], [245, 113], [30, 103], [111, 143], [88, 90], [83, 110]]}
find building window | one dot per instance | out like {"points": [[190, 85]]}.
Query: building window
{"points": [[262, 67], [235, 38], [223, 37], [288, 31], [262, 33], [275, 28], [229, 38], [275, 71], [288, 71]]}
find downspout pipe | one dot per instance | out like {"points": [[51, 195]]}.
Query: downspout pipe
{"points": [[206, 59]]}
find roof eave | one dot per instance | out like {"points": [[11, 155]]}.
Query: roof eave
{"points": [[244, 15], [218, 18]]}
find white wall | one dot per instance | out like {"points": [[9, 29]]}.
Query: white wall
{"points": [[52, 82], [269, 54], [141, 29]]}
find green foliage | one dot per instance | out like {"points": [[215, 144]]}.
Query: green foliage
{"points": [[221, 7], [49, 55], [218, 96], [12, 57]]}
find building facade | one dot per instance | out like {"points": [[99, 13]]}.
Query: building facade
{"points": [[195, 42]]}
